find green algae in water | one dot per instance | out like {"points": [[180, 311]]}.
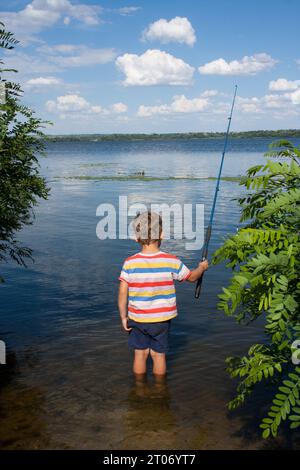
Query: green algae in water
{"points": [[101, 164], [149, 178]]}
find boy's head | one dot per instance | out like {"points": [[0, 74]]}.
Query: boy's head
{"points": [[148, 228]]}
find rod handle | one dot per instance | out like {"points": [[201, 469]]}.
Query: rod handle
{"points": [[199, 283], [198, 287]]}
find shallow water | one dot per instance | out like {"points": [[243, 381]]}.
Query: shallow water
{"points": [[68, 381]]}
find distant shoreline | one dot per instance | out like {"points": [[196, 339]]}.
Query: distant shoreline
{"points": [[281, 133]]}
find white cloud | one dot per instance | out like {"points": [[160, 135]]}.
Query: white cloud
{"points": [[59, 48], [282, 84], [284, 103], [248, 105], [146, 111], [154, 67], [96, 109], [72, 104], [49, 60], [180, 104], [295, 96], [119, 108], [43, 82], [127, 11], [28, 64], [40, 14], [208, 93], [248, 65], [275, 101], [70, 55], [178, 29]]}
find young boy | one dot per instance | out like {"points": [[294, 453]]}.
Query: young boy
{"points": [[147, 299]]}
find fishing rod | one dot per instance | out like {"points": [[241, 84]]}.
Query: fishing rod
{"points": [[212, 212]]}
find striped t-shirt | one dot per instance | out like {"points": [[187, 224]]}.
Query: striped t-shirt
{"points": [[151, 290]]}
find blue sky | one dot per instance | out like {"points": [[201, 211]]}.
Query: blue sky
{"points": [[157, 66]]}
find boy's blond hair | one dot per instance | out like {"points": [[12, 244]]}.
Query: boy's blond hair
{"points": [[148, 228]]}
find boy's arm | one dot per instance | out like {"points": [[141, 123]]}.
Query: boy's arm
{"points": [[197, 273], [122, 303]]}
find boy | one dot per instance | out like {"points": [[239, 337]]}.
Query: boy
{"points": [[147, 286]]}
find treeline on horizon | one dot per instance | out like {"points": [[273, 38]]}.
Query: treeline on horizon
{"points": [[281, 133]]}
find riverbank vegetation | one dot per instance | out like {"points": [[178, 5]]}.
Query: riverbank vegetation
{"points": [[21, 141], [287, 133], [265, 258]]}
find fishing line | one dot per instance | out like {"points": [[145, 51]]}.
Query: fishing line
{"points": [[212, 212]]}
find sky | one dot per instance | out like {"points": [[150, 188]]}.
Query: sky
{"points": [[157, 66]]}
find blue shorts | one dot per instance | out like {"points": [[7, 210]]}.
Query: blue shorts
{"points": [[149, 335]]}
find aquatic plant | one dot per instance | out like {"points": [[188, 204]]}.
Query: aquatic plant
{"points": [[265, 258], [20, 143], [136, 177]]}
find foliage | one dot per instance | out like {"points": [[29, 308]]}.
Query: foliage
{"points": [[20, 143], [265, 258], [174, 136]]}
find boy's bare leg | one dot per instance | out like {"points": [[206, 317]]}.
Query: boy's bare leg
{"points": [[159, 363], [141, 385], [160, 385], [140, 361]]}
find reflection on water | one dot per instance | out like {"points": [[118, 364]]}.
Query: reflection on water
{"points": [[69, 384]]}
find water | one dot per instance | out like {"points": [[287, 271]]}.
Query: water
{"points": [[69, 383]]}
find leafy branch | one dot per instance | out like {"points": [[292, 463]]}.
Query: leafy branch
{"points": [[21, 141], [264, 256]]}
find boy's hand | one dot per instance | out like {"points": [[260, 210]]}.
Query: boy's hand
{"points": [[204, 265], [198, 272], [125, 324]]}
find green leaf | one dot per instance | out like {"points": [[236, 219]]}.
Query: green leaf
{"points": [[264, 255], [288, 383], [294, 417], [294, 425]]}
